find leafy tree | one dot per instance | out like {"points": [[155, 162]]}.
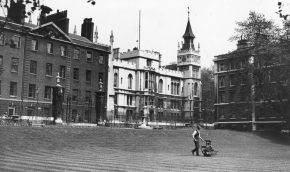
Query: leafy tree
{"points": [[254, 26], [271, 68], [32, 5], [207, 79]]}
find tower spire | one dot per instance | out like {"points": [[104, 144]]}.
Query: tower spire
{"points": [[188, 35]]}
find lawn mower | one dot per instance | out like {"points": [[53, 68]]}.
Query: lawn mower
{"points": [[207, 149]]}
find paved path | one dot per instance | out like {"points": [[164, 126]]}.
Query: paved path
{"points": [[106, 155]]}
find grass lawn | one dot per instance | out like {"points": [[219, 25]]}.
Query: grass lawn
{"points": [[105, 149]]}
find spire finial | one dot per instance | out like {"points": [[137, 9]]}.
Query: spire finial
{"points": [[188, 11], [112, 38], [75, 30], [96, 35]]}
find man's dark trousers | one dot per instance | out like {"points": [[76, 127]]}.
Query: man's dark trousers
{"points": [[196, 142]]}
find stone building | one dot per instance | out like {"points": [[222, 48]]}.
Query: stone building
{"points": [[140, 87], [31, 57]]}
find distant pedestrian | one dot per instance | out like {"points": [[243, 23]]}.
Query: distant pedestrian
{"points": [[196, 136]]}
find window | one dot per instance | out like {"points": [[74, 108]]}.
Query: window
{"points": [[151, 81], [62, 71], [49, 47], [232, 80], [63, 51], [15, 42], [129, 100], [195, 89], [47, 92], [1, 38], [14, 64], [76, 73], [232, 96], [146, 79], [221, 67], [31, 90], [89, 56], [149, 62], [88, 75], [160, 103], [101, 59], [48, 69], [75, 94], [195, 73], [130, 80], [1, 61], [34, 45], [115, 80], [76, 54], [101, 76], [33, 66], [222, 81], [222, 97], [160, 86], [88, 96], [13, 88]]}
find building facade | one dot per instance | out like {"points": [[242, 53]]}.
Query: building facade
{"points": [[139, 87], [32, 56], [248, 82]]}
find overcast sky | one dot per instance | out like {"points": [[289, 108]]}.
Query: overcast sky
{"points": [[163, 22]]}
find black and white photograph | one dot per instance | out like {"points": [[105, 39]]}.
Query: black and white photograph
{"points": [[144, 85]]}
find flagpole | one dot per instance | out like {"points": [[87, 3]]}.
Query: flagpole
{"points": [[139, 29]]}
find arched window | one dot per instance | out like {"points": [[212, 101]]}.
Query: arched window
{"points": [[130, 81], [160, 86], [195, 89], [115, 80]]}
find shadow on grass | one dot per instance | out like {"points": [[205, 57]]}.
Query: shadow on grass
{"points": [[275, 137]]}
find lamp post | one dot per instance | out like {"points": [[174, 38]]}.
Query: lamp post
{"points": [[99, 100], [252, 82], [58, 99], [190, 100]]}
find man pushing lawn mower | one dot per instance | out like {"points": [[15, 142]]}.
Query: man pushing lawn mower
{"points": [[207, 149], [196, 137]]}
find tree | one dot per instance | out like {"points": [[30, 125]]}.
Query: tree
{"points": [[32, 6], [254, 26], [271, 68], [207, 79]]}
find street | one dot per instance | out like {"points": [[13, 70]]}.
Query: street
{"points": [[106, 149]]}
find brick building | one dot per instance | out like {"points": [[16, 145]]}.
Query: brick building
{"points": [[31, 56], [250, 87]]}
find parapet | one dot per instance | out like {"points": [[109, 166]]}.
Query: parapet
{"points": [[141, 53], [123, 63], [169, 72]]}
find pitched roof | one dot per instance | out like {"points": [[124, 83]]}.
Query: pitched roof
{"points": [[80, 40], [188, 31]]}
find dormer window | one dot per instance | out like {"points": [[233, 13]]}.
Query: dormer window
{"points": [[63, 51]]}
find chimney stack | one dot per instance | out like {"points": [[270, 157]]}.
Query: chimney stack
{"points": [[17, 12], [58, 18], [88, 29]]}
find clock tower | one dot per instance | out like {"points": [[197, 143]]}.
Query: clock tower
{"points": [[188, 61]]}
